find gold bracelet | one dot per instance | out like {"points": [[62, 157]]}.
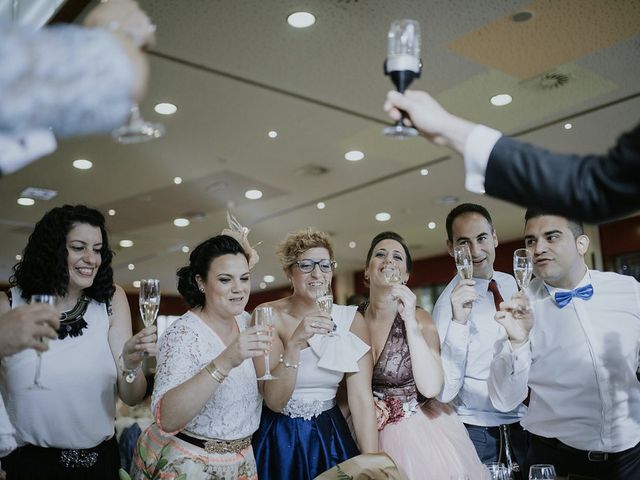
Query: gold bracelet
{"points": [[288, 365], [216, 374]]}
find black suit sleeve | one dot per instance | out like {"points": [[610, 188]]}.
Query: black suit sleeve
{"points": [[591, 188]]}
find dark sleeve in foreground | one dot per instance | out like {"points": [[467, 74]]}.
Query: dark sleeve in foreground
{"points": [[592, 188]]}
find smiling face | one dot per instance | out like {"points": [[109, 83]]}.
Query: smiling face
{"points": [[384, 254], [84, 242], [307, 284], [227, 286], [558, 255], [474, 230]]}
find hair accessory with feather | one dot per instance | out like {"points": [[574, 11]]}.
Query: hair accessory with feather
{"points": [[240, 234]]}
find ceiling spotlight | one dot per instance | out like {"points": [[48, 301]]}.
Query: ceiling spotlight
{"points": [[26, 201], [321, 205], [111, 212], [165, 108], [383, 216], [424, 172], [263, 285], [136, 283], [568, 126], [18, 257], [352, 244], [301, 19], [181, 222], [354, 155], [126, 243], [177, 180], [272, 134], [185, 249], [431, 225], [131, 266], [269, 278], [501, 99], [82, 164], [253, 194]]}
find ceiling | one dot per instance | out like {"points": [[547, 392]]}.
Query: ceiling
{"points": [[236, 70]]}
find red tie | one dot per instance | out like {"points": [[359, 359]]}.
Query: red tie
{"points": [[497, 298]]}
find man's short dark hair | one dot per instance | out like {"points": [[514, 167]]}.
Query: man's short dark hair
{"points": [[462, 209], [575, 226]]}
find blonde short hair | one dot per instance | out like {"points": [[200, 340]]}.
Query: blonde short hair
{"points": [[299, 242]]}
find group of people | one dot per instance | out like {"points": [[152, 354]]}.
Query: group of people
{"points": [[555, 365]]}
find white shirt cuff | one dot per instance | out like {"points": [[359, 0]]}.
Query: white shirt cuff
{"points": [[521, 358], [19, 150], [477, 149]]}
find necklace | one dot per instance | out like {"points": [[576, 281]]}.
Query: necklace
{"points": [[72, 323]]}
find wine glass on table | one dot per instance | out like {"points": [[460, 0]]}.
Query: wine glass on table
{"points": [[403, 65], [37, 384], [542, 472], [149, 301], [264, 320], [324, 301], [464, 264], [137, 129]]}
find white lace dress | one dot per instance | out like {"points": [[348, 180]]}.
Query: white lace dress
{"points": [[232, 413]]}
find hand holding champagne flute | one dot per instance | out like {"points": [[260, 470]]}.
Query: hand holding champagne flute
{"points": [[149, 301], [264, 320]]}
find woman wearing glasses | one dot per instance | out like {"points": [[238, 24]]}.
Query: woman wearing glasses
{"points": [[302, 432]]}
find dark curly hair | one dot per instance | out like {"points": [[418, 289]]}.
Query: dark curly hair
{"points": [[44, 269], [391, 236], [199, 263]]}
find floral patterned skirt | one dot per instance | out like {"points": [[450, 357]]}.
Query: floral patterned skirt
{"points": [[159, 456]]}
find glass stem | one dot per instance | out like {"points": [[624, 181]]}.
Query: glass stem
{"points": [[36, 378], [267, 368]]}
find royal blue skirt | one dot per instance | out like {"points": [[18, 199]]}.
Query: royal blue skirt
{"points": [[288, 448]]}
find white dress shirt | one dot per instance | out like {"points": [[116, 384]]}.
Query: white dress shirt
{"points": [[467, 352], [476, 156], [580, 363]]}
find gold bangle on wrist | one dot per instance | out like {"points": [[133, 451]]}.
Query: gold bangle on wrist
{"points": [[215, 372]]}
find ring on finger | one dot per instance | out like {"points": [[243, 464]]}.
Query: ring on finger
{"points": [[314, 324]]}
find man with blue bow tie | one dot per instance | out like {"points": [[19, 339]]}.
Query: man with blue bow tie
{"points": [[578, 351]]}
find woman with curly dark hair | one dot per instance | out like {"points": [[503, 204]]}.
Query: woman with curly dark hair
{"points": [[66, 429]]}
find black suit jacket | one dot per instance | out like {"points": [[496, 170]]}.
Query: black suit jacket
{"points": [[591, 188]]}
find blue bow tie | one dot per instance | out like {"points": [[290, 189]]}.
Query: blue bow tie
{"points": [[563, 298]]}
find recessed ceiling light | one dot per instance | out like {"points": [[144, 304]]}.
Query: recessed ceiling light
{"points": [[321, 205], [18, 257], [181, 222], [136, 283], [501, 99], [424, 172], [165, 108], [269, 278], [82, 164], [354, 155], [523, 16], [177, 180], [185, 249], [568, 126], [111, 212], [431, 225], [272, 134], [263, 285], [131, 266], [301, 19], [383, 216], [253, 194], [352, 244], [26, 201], [126, 243]]}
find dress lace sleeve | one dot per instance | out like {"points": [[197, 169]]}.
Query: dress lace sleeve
{"points": [[75, 80]]}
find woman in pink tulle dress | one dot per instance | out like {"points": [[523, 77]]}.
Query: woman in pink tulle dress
{"points": [[425, 438]]}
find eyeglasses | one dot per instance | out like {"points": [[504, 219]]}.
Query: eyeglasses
{"points": [[307, 266]]}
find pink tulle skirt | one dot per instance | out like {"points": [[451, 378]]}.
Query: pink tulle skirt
{"points": [[432, 444]]}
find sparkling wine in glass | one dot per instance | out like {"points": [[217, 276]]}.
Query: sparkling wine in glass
{"points": [[137, 129], [392, 274], [324, 301], [264, 320], [149, 300], [37, 385], [464, 264], [522, 267], [542, 472], [403, 65]]}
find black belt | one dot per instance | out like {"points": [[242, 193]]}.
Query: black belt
{"points": [[216, 446], [591, 455]]}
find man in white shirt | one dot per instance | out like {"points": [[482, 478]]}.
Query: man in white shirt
{"points": [[468, 333], [591, 188], [577, 350]]}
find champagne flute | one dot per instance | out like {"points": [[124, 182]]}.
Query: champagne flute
{"points": [[542, 472], [264, 319], [37, 385], [497, 471], [522, 267], [392, 274], [403, 65], [324, 301], [464, 264], [137, 129], [149, 301]]}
